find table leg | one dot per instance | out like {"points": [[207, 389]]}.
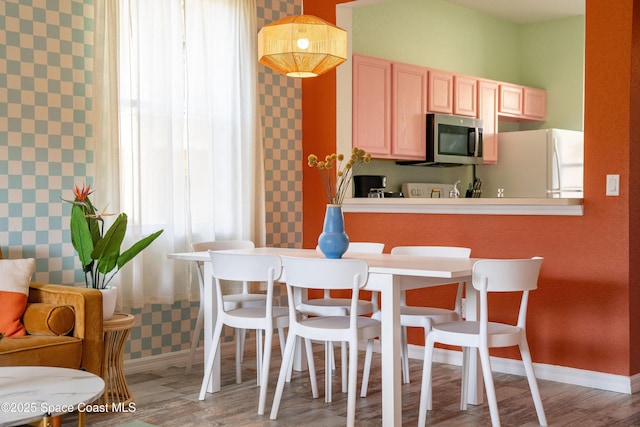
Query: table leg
{"points": [[389, 288], [476, 382], [210, 314]]}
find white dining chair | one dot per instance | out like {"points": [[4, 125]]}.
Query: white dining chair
{"points": [[518, 275], [336, 306], [232, 300], [317, 273], [424, 317], [247, 268]]}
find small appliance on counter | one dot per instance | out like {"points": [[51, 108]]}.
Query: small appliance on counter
{"points": [[427, 190], [363, 184], [376, 193]]}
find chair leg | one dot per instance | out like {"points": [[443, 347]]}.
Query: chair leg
{"points": [[239, 334], [367, 369], [489, 387], [343, 365], [353, 378], [259, 357], [282, 338], [266, 363], [287, 362], [404, 348], [312, 368], [425, 391], [429, 402], [243, 336], [332, 357], [328, 378], [195, 338], [211, 357], [531, 377]]}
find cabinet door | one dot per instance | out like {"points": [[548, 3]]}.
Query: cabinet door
{"points": [[372, 105], [535, 104], [510, 100], [464, 93], [488, 113], [409, 95], [440, 92]]}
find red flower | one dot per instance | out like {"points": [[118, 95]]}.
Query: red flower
{"points": [[82, 193]]}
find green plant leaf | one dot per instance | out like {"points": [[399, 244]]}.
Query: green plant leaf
{"points": [[94, 223], [81, 236], [138, 247], [107, 249]]}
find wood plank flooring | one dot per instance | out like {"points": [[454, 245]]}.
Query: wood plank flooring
{"points": [[169, 397]]}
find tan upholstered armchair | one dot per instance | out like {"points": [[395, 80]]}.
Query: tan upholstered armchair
{"points": [[64, 329]]}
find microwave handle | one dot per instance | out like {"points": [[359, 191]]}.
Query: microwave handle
{"points": [[474, 142]]}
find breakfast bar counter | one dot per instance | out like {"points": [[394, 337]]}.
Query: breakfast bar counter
{"points": [[467, 206]]}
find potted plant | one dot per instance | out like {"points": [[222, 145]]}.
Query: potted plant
{"points": [[99, 250]]}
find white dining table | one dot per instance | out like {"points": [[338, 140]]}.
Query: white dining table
{"points": [[389, 275]]}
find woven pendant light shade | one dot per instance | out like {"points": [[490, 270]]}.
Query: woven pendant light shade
{"points": [[302, 46]]}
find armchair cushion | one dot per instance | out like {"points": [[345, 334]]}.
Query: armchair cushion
{"points": [[15, 276], [48, 319]]}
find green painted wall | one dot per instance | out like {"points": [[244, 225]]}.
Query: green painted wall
{"points": [[554, 60], [438, 34]]}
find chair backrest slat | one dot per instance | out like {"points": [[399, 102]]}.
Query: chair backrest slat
{"points": [[244, 267], [508, 275], [320, 273]]}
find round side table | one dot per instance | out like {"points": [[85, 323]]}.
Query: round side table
{"points": [[116, 331]]}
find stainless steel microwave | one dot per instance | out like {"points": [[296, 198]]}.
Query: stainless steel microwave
{"points": [[451, 140]]}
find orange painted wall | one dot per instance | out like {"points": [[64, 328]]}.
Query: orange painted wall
{"points": [[584, 314], [634, 196]]}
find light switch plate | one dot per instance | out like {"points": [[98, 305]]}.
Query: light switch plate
{"points": [[613, 185]]}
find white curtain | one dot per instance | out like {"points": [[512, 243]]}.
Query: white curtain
{"points": [[189, 157]]}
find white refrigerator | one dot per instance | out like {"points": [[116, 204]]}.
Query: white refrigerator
{"points": [[536, 163]]}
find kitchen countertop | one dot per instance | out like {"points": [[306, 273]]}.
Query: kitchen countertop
{"points": [[467, 206]]}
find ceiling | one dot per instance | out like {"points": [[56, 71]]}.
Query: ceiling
{"points": [[526, 11]]}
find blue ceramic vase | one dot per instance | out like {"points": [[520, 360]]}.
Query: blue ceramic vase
{"points": [[333, 242]]}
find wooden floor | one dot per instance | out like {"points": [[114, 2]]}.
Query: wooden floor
{"points": [[170, 398]]}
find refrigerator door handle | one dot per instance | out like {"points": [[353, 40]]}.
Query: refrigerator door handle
{"points": [[556, 164]]}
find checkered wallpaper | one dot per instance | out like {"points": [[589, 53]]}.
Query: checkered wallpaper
{"points": [[46, 55], [45, 77], [281, 104]]}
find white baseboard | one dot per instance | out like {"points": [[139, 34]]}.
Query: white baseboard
{"points": [[161, 361], [562, 374]]}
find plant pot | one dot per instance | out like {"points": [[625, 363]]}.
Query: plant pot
{"points": [[333, 242], [109, 298]]}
